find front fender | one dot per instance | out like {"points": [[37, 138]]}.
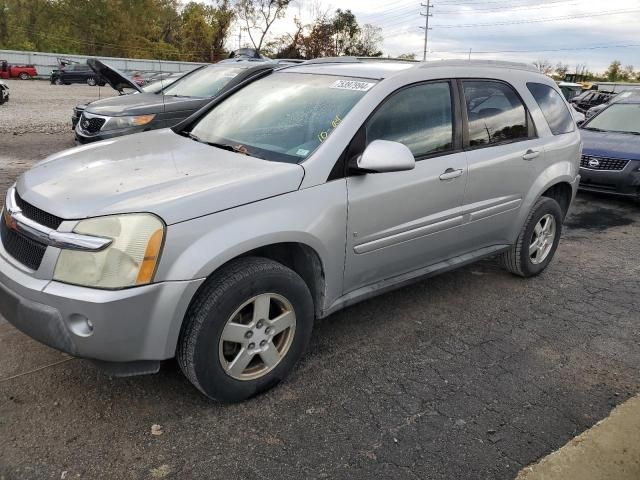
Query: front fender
{"points": [[315, 217]]}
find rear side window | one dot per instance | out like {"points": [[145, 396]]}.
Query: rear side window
{"points": [[420, 117], [495, 112], [553, 108]]}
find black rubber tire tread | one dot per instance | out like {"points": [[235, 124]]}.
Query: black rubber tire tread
{"points": [[513, 260], [223, 283]]}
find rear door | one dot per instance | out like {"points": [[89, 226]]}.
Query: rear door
{"points": [[401, 221], [505, 156]]}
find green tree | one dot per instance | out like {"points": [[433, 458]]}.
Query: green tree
{"points": [[258, 16], [614, 70]]}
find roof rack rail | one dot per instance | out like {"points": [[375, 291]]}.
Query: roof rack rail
{"points": [[485, 63], [352, 59]]}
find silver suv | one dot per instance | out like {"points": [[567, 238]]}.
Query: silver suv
{"points": [[220, 241]]}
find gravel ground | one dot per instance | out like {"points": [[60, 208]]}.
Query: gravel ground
{"points": [[473, 374], [38, 107]]}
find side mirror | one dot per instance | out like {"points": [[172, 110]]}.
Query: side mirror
{"points": [[385, 156]]}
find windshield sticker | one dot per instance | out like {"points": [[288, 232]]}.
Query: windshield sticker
{"points": [[322, 136], [302, 152], [353, 85]]}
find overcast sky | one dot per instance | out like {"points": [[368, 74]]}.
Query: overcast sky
{"points": [[595, 27]]}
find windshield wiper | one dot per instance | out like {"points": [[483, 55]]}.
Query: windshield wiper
{"points": [[593, 129], [223, 146]]}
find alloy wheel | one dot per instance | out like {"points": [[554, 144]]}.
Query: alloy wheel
{"points": [[544, 235], [257, 336]]}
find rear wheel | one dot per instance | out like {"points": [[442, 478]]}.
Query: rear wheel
{"points": [[538, 240], [246, 329], [24, 76], [91, 81]]}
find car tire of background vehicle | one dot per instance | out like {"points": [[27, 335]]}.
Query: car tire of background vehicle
{"points": [[91, 81], [24, 76], [538, 240], [208, 360], [58, 81]]}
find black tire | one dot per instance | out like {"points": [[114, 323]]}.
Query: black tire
{"points": [[234, 284], [517, 260], [58, 81], [91, 81], [24, 76]]}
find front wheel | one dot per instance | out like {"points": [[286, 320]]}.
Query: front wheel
{"points": [[91, 82], [537, 241], [24, 76], [58, 81], [246, 329]]}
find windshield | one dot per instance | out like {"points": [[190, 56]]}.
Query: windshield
{"points": [[155, 87], [283, 117], [204, 83], [619, 117]]}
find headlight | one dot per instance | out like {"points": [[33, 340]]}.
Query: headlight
{"points": [[115, 123], [130, 260]]}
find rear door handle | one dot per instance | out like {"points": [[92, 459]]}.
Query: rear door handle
{"points": [[530, 154], [450, 174]]}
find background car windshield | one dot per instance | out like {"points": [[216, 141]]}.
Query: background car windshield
{"points": [[283, 117], [204, 83], [620, 117]]}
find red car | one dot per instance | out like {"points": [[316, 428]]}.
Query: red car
{"points": [[24, 72]]}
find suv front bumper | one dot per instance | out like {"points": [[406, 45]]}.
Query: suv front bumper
{"points": [[129, 325]]}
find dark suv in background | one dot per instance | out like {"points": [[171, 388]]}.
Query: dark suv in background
{"points": [[76, 73]]}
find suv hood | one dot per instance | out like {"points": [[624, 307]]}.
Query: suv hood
{"points": [[144, 103], [159, 172], [113, 77], [611, 144]]}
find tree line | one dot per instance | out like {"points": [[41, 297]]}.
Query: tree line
{"points": [[615, 73], [176, 30]]}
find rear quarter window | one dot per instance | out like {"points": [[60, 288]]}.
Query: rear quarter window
{"points": [[553, 108]]}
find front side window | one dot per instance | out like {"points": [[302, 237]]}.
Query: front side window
{"points": [[495, 113], [420, 117], [283, 117], [553, 108], [204, 83]]}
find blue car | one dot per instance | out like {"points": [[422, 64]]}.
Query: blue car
{"points": [[611, 154]]}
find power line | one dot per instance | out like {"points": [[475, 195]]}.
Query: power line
{"points": [[593, 47], [540, 20]]}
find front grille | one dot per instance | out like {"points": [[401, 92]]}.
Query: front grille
{"points": [[91, 124], [23, 249], [602, 163], [37, 215]]}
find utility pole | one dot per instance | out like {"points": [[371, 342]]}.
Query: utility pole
{"points": [[426, 28]]}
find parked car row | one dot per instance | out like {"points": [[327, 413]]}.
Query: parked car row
{"points": [[286, 194]]}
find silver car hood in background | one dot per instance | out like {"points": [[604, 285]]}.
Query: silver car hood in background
{"points": [[159, 171]]}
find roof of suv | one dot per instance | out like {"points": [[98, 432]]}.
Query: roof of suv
{"points": [[383, 68]]}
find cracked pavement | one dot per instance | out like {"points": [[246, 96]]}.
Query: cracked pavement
{"points": [[473, 374]]}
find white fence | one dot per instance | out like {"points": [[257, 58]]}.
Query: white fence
{"points": [[45, 62]]}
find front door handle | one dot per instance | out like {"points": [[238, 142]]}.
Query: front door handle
{"points": [[530, 154], [450, 174]]}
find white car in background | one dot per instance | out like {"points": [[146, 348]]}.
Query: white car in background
{"points": [[4, 92]]}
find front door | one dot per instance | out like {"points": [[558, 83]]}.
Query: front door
{"points": [[401, 221]]}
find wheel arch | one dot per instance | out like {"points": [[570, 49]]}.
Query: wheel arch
{"points": [[559, 181], [298, 256]]}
